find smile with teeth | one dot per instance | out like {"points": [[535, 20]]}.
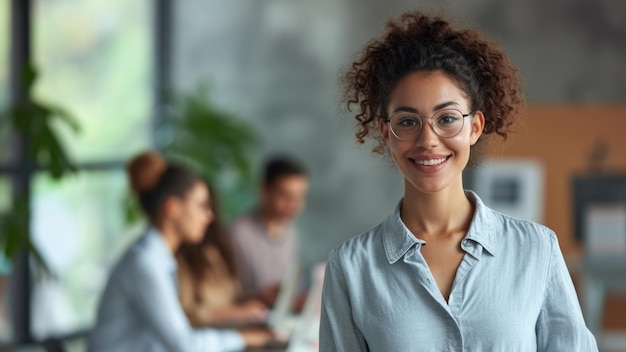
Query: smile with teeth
{"points": [[430, 162]]}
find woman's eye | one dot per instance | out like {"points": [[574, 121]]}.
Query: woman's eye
{"points": [[447, 119], [407, 122]]}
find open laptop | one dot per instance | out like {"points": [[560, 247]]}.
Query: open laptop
{"points": [[296, 332], [305, 335], [282, 319]]}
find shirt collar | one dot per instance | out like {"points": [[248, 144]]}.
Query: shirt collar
{"points": [[482, 229], [397, 239]]}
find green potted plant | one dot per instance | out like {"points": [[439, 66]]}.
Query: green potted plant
{"points": [[220, 145], [35, 121]]}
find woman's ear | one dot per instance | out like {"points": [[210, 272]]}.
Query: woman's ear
{"points": [[384, 130], [172, 207], [477, 124]]}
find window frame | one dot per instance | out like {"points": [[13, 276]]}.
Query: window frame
{"points": [[20, 171]]}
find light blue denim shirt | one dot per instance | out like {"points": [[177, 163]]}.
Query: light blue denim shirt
{"points": [[512, 292], [140, 310]]}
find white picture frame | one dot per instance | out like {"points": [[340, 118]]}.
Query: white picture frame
{"points": [[512, 186]]}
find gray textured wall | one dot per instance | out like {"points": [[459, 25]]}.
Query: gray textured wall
{"points": [[276, 63]]}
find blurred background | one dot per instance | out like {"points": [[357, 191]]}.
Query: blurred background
{"points": [[119, 69]]}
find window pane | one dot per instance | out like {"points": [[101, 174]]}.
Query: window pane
{"points": [[78, 225], [5, 37], [95, 60]]}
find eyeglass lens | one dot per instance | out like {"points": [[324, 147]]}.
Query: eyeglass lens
{"points": [[407, 125]]}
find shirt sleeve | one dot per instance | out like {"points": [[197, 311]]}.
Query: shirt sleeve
{"points": [[338, 330], [156, 301], [560, 326]]}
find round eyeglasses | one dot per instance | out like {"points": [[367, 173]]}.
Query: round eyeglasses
{"points": [[446, 123]]}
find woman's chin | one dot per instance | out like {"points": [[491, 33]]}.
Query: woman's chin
{"points": [[195, 239]]}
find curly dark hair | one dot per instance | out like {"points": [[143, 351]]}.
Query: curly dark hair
{"points": [[418, 42]]}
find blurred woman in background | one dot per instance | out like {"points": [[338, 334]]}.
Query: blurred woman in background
{"points": [[208, 280], [139, 309]]}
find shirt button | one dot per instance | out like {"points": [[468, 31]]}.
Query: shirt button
{"points": [[466, 243]]}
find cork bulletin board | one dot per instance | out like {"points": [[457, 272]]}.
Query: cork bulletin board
{"points": [[569, 140]]}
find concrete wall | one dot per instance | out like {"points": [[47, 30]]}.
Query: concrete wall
{"points": [[276, 62]]}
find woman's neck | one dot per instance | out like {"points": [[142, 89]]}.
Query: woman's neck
{"points": [[444, 213], [170, 236]]}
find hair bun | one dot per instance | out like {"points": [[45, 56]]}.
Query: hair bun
{"points": [[144, 171]]}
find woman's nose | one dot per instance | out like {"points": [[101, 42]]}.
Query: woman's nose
{"points": [[427, 137]]}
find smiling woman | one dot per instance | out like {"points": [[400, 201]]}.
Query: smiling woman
{"points": [[443, 271]]}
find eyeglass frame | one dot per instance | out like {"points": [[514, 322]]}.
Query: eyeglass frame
{"points": [[431, 122]]}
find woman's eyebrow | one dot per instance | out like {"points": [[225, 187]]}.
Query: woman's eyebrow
{"points": [[405, 109], [445, 105], [414, 111]]}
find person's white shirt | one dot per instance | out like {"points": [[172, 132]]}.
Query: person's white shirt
{"points": [[140, 311]]}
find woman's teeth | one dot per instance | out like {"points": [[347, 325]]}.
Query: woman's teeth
{"points": [[430, 162]]}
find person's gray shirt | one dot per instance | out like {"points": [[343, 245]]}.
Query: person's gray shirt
{"points": [[263, 260], [140, 311], [512, 292]]}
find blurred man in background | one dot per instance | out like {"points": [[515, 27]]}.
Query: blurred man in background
{"points": [[266, 238]]}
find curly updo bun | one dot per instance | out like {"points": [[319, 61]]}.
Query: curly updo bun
{"points": [[153, 181], [144, 171]]}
